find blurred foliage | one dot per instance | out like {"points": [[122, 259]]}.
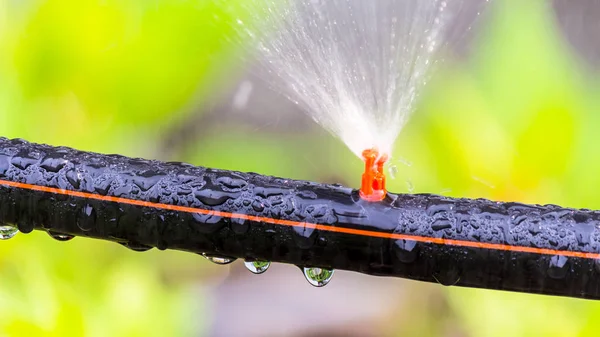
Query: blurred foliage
{"points": [[517, 122], [108, 67], [105, 76]]}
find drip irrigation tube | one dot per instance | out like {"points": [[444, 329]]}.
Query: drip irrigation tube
{"points": [[145, 203]]}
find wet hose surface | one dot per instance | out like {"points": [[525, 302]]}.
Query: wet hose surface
{"points": [[144, 203]]}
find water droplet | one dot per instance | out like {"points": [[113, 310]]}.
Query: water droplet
{"points": [[211, 198], [393, 171], [449, 276], [307, 195], [409, 186], [24, 159], [441, 224], [219, 259], [583, 232], [147, 179], [4, 163], [535, 228], [53, 164], [162, 245], [25, 225], [74, 178], [484, 182], [208, 223], [232, 183], [87, 218], [102, 185], [317, 211], [265, 192], [597, 265], [239, 225], [318, 277], [8, 231], [257, 266], [406, 250], [138, 247], [558, 267], [60, 237], [258, 206], [303, 236], [125, 191]]}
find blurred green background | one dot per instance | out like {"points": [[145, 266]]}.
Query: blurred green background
{"points": [[515, 121]]}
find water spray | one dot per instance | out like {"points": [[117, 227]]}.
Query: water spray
{"points": [[357, 68]]}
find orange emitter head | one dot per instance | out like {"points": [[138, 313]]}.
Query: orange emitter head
{"points": [[373, 179]]}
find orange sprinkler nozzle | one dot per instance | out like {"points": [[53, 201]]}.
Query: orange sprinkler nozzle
{"points": [[373, 179]]}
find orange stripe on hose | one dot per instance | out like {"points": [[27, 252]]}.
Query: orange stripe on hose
{"points": [[281, 222]]}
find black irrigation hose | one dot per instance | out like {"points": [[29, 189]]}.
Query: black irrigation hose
{"points": [[141, 203]]}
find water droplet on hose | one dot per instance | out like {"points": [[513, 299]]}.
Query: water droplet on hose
{"points": [[147, 179], [239, 225], [87, 218], [4, 163], [137, 247], [219, 259], [307, 195], [318, 277], [257, 266], [25, 225], [583, 232], [535, 228], [208, 223], [211, 198], [406, 250], [558, 267], [265, 192], [441, 224], [23, 160], [232, 183], [303, 236], [449, 276], [597, 265], [258, 206], [53, 164], [8, 232], [60, 237], [74, 178]]}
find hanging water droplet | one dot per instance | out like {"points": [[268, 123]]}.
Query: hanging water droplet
{"points": [[8, 231], [449, 276], [257, 266], [60, 237], [219, 259], [136, 247], [318, 277]]}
